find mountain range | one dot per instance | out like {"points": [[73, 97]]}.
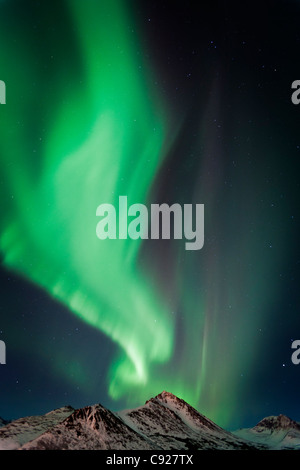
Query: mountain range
{"points": [[165, 422]]}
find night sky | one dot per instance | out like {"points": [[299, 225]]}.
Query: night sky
{"points": [[164, 102]]}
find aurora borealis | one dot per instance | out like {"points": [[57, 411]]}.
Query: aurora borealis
{"points": [[161, 103]]}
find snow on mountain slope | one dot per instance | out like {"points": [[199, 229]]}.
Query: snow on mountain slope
{"points": [[90, 428], [16, 433], [164, 423], [187, 413], [275, 432], [173, 424]]}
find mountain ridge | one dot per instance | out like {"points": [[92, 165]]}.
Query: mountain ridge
{"points": [[164, 422], [277, 432]]}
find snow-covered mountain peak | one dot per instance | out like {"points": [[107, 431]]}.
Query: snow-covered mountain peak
{"points": [[91, 414], [275, 432], [276, 423], [18, 432], [166, 399], [90, 428], [168, 396], [189, 415], [170, 400]]}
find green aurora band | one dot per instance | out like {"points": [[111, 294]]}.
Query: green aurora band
{"points": [[92, 129], [104, 141]]}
